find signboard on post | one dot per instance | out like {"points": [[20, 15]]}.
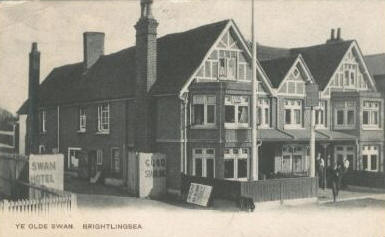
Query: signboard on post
{"points": [[46, 170], [199, 194], [312, 95]]}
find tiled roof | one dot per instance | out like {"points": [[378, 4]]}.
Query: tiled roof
{"points": [[335, 135], [276, 69], [322, 59], [273, 135], [376, 64], [304, 135], [113, 76]]}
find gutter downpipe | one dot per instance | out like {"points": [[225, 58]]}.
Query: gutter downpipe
{"points": [[183, 132], [358, 154], [58, 129]]}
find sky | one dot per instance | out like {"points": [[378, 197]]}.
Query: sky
{"points": [[57, 27]]}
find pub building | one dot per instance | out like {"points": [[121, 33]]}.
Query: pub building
{"points": [[187, 95]]}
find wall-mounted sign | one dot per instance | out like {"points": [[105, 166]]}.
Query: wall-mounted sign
{"points": [[46, 170], [199, 194], [152, 174]]}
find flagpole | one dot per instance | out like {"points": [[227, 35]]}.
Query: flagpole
{"points": [[254, 148]]}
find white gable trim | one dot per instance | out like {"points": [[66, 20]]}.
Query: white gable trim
{"points": [[301, 61], [361, 61], [229, 25]]}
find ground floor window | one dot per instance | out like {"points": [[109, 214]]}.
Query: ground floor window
{"points": [[73, 157], [293, 159], [203, 162], [115, 159], [99, 157], [236, 163], [370, 156], [344, 152]]}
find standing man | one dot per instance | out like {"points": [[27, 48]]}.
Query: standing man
{"points": [[335, 178], [320, 165]]}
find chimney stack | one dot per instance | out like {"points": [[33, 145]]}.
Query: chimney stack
{"points": [[146, 63], [332, 35], [93, 48], [338, 33], [33, 101]]}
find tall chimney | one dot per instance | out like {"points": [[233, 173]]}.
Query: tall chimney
{"points": [[332, 34], [93, 48], [146, 60], [33, 100], [339, 33]]}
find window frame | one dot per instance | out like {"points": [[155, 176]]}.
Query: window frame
{"points": [[236, 157], [82, 119], [43, 121], [101, 112], [263, 104], [99, 157], [69, 157], [369, 151], [204, 156], [345, 108], [322, 107], [244, 101], [288, 106], [374, 106], [206, 104]]}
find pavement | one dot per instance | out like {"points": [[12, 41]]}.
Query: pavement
{"points": [[350, 193]]}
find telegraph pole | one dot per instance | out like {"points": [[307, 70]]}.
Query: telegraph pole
{"points": [[254, 148]]}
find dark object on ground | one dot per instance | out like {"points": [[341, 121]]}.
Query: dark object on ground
{"points": [[246, 203]]}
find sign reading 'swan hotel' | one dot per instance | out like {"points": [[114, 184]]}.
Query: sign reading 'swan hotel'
{"points": [[47, 170]]}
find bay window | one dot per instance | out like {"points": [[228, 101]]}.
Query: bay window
{"points": [[293, 113], [104, 118], [264, 112], [370, 156], [237, 111], [370, 114], [203, 162], [344, 112], [203, 110], [236, 163]]}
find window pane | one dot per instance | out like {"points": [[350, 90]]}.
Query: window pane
{"points": [[297, 114], [287, 116], [198, 114], [340, 117], [242, 71], [365, 117], [243, 114], [198, 167], [210, 113], [229, 168], [210, 168], [297, 166], [232, 68], [321, 118], [350, 117], [365, 162], [373, 162], [374, 118], [317, 117], [222, 67], [242, 168], [259, 116], [229, 114]]}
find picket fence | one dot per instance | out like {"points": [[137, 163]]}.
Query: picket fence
{"points": [[45, 206]]}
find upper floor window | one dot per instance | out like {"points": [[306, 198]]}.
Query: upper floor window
{"points": [[228, 64], [43, 121], [320, 115], [293, 113], [104, 118], [99, 157], [345, 114], [82, 120], [370, 114], [237, 111], [264, 112], [236, 165], [203, 110], [203, 162]]}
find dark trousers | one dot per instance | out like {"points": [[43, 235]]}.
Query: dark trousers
{"points": [[335, 189]]}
